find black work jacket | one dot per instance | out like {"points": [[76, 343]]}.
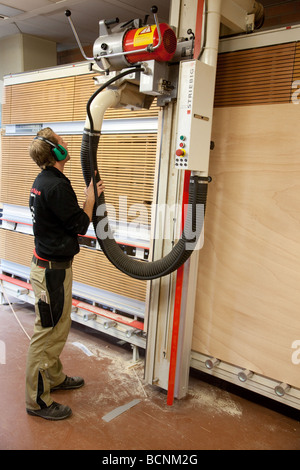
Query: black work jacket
{"points": [[57, 217]]}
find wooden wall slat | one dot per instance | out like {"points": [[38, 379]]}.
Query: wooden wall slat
{"points": [[127, 167], [45, 101], [126, 163], [18, 170], [85, 87], [62, 99], [90, 267], [16, 247], [6, 106], [255, 76], [93, 268], [297, 63], [261, 75]]}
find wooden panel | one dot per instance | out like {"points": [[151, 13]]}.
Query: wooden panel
{"points": [[83, 90], [126, 162], [279, 14], [6, 105], [16, 247], [62, 99], [127, 166], [255, 76], [248, 296], [297, 63], [90, 267], [45, 101], [93, 268], [18, 170], [85, 87]]}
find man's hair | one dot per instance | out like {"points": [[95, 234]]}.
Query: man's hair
{"points": [[40, 151]]}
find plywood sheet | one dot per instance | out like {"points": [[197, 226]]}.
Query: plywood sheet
{"points": [[248, 291]]}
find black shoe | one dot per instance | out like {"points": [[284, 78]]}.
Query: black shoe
{"points": [[69, 384], [53, 412]]}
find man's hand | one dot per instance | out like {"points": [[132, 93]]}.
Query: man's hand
{"points": [[89, 190], [90, 197]]}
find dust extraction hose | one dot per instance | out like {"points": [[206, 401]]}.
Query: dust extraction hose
{"points": [[137, 269]]}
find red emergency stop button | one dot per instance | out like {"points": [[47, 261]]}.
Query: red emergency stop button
{"points": [[180, 152]]}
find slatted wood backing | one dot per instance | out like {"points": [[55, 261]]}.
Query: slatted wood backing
{"points": [[6, 105], [126, 163], [16, 247], [93, 268], [248, 296], [45, 101], [85, 87], [297, 63], [62, 99], [255, 76], [90, 267], [18, 170]]}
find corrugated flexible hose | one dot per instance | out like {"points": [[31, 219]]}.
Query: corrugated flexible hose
{"points": [[135, 268]]}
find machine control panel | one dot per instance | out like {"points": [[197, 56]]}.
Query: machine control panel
{"points": [[181, 156], [194, 118]]}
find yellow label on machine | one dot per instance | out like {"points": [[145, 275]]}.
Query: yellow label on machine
{"points": [[144, 36]]}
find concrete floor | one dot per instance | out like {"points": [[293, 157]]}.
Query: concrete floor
{"points": [[209, 418]]}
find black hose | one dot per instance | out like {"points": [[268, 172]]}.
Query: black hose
{"points": [[137, 269]]}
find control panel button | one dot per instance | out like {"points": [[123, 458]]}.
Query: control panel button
{"points": [[180, 152]]}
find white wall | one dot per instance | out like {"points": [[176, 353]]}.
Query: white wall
{"points": [[23, 52]]}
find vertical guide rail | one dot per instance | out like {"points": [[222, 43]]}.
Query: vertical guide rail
{"points": [[177, 302], [180, 271]]}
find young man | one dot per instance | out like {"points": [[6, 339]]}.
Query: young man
{"points": [[57, 221]]}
